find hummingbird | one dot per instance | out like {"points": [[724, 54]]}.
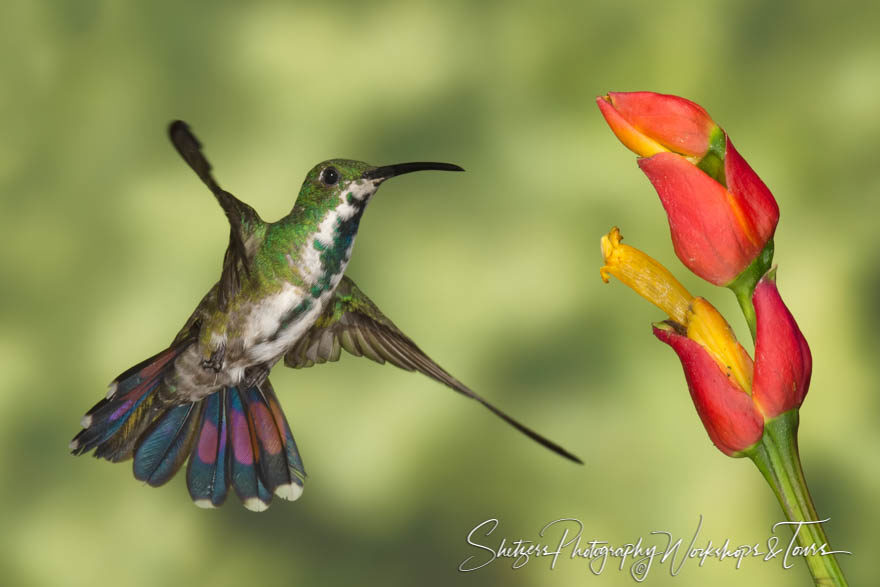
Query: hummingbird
{"points": [[282, 294]]}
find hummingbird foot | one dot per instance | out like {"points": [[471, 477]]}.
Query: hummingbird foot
{"points": [[255, 376], [215, 362]]}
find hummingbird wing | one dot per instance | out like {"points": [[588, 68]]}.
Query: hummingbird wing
{"points": [[354, 323], [242, 218]]}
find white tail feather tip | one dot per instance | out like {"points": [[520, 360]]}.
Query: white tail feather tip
{"points": [[289, 491], [256, 505]]}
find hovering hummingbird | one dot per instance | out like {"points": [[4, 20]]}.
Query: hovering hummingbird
{"points": [[282, 293]]}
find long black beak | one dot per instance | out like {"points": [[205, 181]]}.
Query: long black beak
{"points": [[387, 171]]}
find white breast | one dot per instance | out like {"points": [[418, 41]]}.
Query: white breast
{"points": [[262, 339], [266, 344]]}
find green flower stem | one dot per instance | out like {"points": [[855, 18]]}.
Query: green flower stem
{"points": [[776, 456], [744, 297], [744, 285]]}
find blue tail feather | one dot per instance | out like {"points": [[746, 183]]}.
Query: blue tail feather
{"points": [[166, 445], [206, 475]]}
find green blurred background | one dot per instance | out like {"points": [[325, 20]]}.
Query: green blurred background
{"points": [[109, 241]]}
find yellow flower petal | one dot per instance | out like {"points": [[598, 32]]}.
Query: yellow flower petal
{"points": [[645, 276], [706, 326]]}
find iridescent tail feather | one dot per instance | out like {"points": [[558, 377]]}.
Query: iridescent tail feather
{"points": [[231, 437], [113, 426]]}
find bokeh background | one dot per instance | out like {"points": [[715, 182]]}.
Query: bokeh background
{"points": [[109, 241]]}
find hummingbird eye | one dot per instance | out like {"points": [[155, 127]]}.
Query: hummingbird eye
{"points": [[330, 176]]}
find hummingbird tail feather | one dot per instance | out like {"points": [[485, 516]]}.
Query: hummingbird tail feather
{"points": [[113, 426], [263, 458], [132, 421]]}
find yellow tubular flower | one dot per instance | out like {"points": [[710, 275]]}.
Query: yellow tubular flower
{"points": [[706, 326], [645, 276], [701, 321]]}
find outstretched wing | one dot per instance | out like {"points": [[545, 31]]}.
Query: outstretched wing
{"points": [[353, 322], [243, 219]]}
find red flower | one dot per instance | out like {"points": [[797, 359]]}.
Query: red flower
{"points": [[720, 213], [727, 411], [783, 363], [733, 395]]}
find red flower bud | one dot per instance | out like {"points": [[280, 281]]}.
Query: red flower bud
{"points": [[783, 363], [645, 120], [727, 411], [721, 216]]}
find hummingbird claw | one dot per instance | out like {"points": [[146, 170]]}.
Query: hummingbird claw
{"points": [[215, 362], [254, 376]]}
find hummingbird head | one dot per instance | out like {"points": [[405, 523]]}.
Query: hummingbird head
{"points": [[355, 182]]}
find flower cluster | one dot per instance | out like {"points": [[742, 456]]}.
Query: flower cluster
{"points": [[722, 218], [733, 394]]}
